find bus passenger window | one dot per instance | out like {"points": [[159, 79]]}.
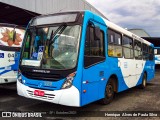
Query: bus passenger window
{"points": [[127, 47], [137, 50], [145, 52], [151, 53], [114, 44]]}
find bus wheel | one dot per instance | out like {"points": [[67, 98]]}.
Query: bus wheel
{"points": [[109, 92], [144, 81]]}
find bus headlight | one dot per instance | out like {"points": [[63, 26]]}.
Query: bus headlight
{"points": [[69, 80]]}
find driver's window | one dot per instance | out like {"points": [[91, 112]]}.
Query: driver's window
{"points": [[94, 49]]}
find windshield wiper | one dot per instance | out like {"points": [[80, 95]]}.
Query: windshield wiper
{"points": [[60, 29]]}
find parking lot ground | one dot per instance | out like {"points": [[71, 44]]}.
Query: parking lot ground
{"points": [[132, 100]]}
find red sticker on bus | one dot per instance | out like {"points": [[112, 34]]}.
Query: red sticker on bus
{"points": [[39, 93]]}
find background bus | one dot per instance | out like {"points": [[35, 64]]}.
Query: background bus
{"points": [[157, 55], [75, 58], [156, 42], [11, 37]]}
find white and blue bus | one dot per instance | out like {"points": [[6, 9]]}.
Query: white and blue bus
{"points": [[11, 37], [157, 55], [75, 58]]}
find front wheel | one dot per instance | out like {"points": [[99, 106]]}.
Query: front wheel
{"points": [[109, 93]]}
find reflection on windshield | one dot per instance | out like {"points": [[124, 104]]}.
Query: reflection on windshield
{"points": [[52, 47]]}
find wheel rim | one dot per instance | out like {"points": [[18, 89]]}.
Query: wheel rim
{"points": [[109, 90]]}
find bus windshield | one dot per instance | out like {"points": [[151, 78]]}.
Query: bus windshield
{"points": [[51, 47]]}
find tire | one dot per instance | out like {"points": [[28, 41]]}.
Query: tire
{"points": [[144, 81], [109, 92]]}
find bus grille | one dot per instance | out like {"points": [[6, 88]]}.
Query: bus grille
{"points": [[50, 77], [46, 96]]}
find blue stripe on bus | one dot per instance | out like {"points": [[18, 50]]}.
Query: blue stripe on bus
{"points": [[13, 67], [2, 68], [1, 73]]}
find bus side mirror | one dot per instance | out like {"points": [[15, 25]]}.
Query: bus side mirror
{"points": [[97, 33]]}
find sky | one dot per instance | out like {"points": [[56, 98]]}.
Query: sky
{"points": [[131, 14]]}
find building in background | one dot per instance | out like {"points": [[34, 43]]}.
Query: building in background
{"points": [[21, 11], [142, 33], [139, 32]]}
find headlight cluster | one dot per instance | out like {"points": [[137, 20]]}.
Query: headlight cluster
{"points": [[69, 80]]}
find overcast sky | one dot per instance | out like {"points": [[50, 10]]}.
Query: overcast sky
{"points": [[132, 13]]}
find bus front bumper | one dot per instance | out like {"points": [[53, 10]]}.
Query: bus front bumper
{"points": [[68, 97], [8, 79]]}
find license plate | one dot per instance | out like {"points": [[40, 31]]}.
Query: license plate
{"points": [[49, 84], [39, 93]]}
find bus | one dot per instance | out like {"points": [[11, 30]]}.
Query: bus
{"points": [[11, 37], [156, 42], [77, 57], [157, 55]]}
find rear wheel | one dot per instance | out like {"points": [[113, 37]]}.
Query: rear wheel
{"points": [[109, 92], [144, 81]]}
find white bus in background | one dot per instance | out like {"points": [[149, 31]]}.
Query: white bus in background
{"points": [[156, 42], [157, 55], [11, 37]]}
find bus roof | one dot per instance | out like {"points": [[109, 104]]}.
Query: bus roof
{"points": [[11, 25]]}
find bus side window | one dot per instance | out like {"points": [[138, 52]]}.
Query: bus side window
{"points": [[114, 44], [137, 50], [151, 53], [145, 52], [94, 49], [128, 47]]}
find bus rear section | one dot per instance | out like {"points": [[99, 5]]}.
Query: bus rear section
{"points": [[11, 37], [75, 58]]}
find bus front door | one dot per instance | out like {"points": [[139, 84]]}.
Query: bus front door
{"points": [[94, 65]]}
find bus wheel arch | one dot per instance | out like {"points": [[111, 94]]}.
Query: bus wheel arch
{"points": [[110, 89]]}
